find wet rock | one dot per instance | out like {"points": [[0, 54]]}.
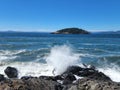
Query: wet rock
{"points": [[92, 80], [58, 87], [26, 77], [86, 72], [73, 69], [99, 76], [58, 77], [11, 72], [68, 78], [2, 78], [90, 72], [48, 78]]}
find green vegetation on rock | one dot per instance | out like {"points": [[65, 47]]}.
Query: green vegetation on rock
{"points": [[71, 31]]}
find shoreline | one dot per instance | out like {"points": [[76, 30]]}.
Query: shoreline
{"points": [[91, 79]]}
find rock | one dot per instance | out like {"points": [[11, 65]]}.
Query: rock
{"points": [[91, 84], [11, 72], [71, 31], [48, 78], [26, 77], [30, 84], [92, 80], [74, 87], [73, 69], [41, 84], [2, 78], [58, 87], [86, 72], [99, 76], [58, 77], [90, 72], [68, 78], [53, 78]]}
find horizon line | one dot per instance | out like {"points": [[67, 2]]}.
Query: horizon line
{"points": [[56, 30]]}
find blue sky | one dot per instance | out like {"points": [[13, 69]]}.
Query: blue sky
{"points": [[51, 15]]}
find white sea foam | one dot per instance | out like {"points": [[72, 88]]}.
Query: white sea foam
{"points": [[11, 52], [61, 57], [113, 72], [8, 55], [29, 69]]}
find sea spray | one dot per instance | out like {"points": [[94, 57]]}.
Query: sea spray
{"points": [[113, 71], [61, 57]]}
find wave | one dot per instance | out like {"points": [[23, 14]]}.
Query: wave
{"points": [[22, 55], [61, 57], [29, 68], [113, 71], [58, 58], [11, 52], [9, 55]]}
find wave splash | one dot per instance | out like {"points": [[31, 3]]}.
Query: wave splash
{"points": [[61, 57], [113, 71]]}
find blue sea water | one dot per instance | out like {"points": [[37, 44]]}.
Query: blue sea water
{"points": [[29, 51]]}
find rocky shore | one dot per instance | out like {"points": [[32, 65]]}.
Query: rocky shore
{"points": [[74, 78]]}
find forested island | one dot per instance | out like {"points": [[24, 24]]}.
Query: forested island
{"points": [[71, 31]]}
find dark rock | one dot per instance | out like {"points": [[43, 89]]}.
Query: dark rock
{"points": [[58, 87], [99, 76], [90, 72], [2, 78], [92, 80], [53, 78], [58, 77], [68, 78], [71, 31], [93, 74], [85, 72], [11, 72], [48, 78], [73, 69], [26, 77]]}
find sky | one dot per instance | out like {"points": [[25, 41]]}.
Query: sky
{"points": [[52, 15]]}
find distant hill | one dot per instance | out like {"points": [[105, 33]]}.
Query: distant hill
{"points": [[71, 31], [110, 32]]}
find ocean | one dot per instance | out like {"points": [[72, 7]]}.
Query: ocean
{"points": [[35, 54]]}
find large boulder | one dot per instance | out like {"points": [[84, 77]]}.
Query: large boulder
{"points": [[87, 72], [11, 72]]}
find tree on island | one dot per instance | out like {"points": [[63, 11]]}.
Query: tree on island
{"points": [[71, 31]]}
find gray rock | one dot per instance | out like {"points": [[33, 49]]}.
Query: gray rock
{"points": [[30, 84], [91, 84]]}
